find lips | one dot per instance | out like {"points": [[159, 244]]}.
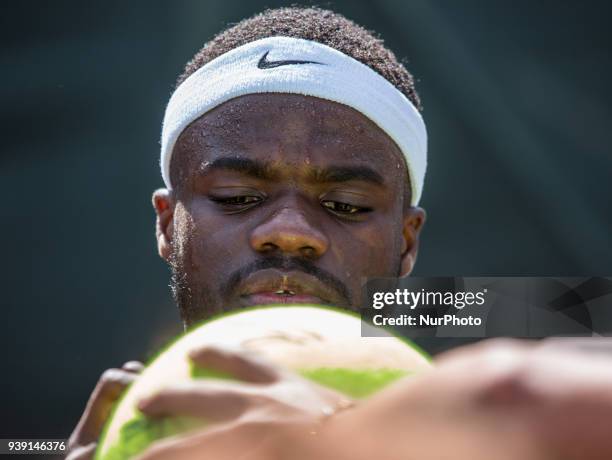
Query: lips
{"points": [[271, 286]]}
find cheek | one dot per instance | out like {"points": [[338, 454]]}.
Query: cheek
{"points": [[369, 249], [212, 243], [183, 235]]}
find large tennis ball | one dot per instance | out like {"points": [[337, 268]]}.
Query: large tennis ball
{"points": [[325, 345]]}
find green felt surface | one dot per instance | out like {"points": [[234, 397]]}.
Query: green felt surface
{"points": [[355, 383], [140, 432]]}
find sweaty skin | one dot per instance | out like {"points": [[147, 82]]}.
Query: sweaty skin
{"points": [[283, 198], [277, 198], [268, 200]]}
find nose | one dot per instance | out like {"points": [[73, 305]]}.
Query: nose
{"points": [[288, 232]]}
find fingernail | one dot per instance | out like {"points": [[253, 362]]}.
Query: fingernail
{"points": [[143, 404]]}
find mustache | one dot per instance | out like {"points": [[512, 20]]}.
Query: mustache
{"points": [[288, 264]]}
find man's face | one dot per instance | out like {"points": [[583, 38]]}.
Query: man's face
{"points": [[282, 198]]}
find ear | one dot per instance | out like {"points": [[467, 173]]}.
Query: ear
{"points": [[163, 202], [414, 218]]}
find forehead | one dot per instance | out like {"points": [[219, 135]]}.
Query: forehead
{"points": [[290, 130]]}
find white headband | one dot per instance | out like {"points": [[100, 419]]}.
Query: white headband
{"points": [[296, 66]]}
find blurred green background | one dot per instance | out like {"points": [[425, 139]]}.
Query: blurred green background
{"points": [[517, 102]]}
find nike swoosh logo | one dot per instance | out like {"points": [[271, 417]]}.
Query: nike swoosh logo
{"points": [[265, 64]]}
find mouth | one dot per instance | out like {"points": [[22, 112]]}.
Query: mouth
{"points": [[271, 286]]}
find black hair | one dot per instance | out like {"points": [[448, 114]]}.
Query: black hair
{"points": [[316, 24]]}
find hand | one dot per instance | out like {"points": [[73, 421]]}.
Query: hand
{"points": [[267, 401], [84, 439], [505, 400], [502, 399]]}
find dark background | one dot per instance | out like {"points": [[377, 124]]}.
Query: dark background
{"points": [[517, 103]]}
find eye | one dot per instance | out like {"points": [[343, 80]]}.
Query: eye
{"points": [[343, 208], [237, 202]]}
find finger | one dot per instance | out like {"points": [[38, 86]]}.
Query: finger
{"points": [[230, 441], [591, 345], [238, 364], [133, 366], [214, 401], [83, 452], [484, 349], [99, 406]]}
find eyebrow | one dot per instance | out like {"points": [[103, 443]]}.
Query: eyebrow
{"points": [[347, 173], [247, 166], [265, 171]]}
